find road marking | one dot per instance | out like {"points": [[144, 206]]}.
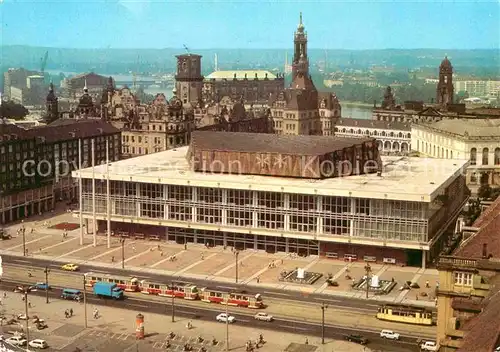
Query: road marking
{"points": [[20, 261], [246, 321], [277, 293], [137, 305], [329, 300], [185, 312], [228, 287], [293, 327]]}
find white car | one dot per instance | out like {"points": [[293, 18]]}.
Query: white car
{"points": [[263, 316], [16, 341], [428, 346], [389, 334], [224, 318], [22, 317], [38, 343]]}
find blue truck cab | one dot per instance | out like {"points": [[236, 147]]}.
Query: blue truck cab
{"points": [[107, 290]]}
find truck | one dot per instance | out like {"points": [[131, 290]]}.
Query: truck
{"points": [[428, 346], [107, 290]]}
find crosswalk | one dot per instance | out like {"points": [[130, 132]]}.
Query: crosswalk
{"points": [[111, 335]]}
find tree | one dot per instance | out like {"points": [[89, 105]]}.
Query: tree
{"points": [[12, 110]]}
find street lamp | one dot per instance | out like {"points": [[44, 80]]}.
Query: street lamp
{"points": [[122, 241], [23, 230], [368, 270], [46, 271], [236, 254], [323, 308], [227, 322], [173, 302], [84, 300], [25, 291]]}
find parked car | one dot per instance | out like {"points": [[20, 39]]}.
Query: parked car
{"points": [[40, 286], [357, 338], [263, 316], [223, 318], [38, 343], [22, 316], [428, 346], [70, 267], [16, 341], [389, 334]]}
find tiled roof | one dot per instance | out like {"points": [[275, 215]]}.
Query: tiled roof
{"points": [[65, 129], [271, 143], [364, 123], [488, 234], [240, 74], [482, 331]]}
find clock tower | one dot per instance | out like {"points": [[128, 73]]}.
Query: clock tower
{"points": [[188, 80]]}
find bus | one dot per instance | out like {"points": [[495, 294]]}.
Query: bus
{"points": [[129, 284], [406, 314]]}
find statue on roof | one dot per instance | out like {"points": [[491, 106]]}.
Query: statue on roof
{"points": [[389, 102]]}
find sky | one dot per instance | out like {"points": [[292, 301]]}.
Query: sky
{"points": [[333, 24]]}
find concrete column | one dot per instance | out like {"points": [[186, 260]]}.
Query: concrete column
{"points": [[166, 207], [286, 206], [424, 258], [287, 248], [319, 220], [255, 204], [224, 238], [137, 195], [255, 241], [224, 207], [194, 199]]}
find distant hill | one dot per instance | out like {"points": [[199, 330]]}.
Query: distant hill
{"points": [[475, 62]]}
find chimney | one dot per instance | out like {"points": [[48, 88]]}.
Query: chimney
{"points": [[485, 250]]}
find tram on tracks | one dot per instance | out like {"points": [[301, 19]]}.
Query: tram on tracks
{"points": [[183, 290], [126, 283], [406, 314], [237, 299]]}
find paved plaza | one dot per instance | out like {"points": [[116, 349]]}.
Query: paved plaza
{"points": [[256, 268]]}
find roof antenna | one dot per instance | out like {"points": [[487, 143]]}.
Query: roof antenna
{"points": [[186, 48]]}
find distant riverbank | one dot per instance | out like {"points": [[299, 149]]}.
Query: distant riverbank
{"points": [[356, 103]]}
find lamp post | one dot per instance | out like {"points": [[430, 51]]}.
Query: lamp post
{"points": [[173, 302], [236, 254], [227, 322], [23, 230], [46, 271], [323, 308], [25, 291], [368, 270], [84, 301], [122, 241]]}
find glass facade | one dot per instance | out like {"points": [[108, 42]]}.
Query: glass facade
{"points": [[277, 212]]}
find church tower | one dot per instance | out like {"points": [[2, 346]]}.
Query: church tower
{"points": [[51, 105], [444, 94], [300, 64], [188, 80]]}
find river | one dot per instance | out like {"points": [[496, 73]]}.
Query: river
{"points": [[356, 111]]}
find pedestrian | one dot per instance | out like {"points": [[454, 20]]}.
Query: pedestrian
{"points": [[66, 313], [258, 279], [5, 295], [185, 246], [307, 341], [71, 312], [29, 304]]}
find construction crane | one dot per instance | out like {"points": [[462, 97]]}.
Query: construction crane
{"points": [[187, 49], [43, 62]]}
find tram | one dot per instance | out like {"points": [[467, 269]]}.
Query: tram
{"points": [[231, 298], [129, 284], [406, 314], [183, 290]]}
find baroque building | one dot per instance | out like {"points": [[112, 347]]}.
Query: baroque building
{"points": [[444, 92], [300, 109]]}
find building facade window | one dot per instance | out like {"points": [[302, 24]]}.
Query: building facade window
{"points": [[497, 156], [485, 156], [473, 156], [463, 279]]}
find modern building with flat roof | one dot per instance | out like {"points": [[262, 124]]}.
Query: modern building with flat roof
{"points": [[399, 212]]}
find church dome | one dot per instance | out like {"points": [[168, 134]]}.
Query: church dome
{"points": [[86, 99], [175, 102]]}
